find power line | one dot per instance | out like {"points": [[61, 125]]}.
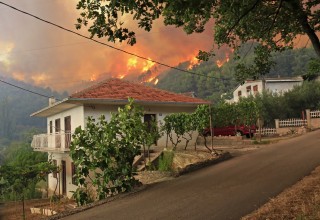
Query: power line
{"points": [[27, 90], [99, 42]]}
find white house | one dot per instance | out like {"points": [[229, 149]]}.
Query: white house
{"points": [[66, 115], [273, 85]]}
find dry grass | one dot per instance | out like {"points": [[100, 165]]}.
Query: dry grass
{"points": [[301, 201]]}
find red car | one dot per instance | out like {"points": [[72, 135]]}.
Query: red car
{"points": [[232, 130]]}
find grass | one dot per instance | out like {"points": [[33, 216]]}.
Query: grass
{"points": [[165, 161]]}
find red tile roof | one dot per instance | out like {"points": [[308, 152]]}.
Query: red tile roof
{"points": [[116, 89]]}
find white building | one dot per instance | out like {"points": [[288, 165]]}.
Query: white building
{"points": [[273, 85], [66, 115]]}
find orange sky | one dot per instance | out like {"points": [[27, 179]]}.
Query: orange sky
{"points": [[38, 53]]}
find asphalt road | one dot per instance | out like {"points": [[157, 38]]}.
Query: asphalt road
{"points": [[228, 190]]}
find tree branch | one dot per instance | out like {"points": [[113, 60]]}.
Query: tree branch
{"points": [[242, 16]]}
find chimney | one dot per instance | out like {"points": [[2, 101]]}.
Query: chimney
{"points": [[52, 100]]}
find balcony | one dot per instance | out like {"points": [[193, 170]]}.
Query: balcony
{"points": [[59, 143]]}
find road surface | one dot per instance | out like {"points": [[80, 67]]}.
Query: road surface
{"points": [[228, 190]]}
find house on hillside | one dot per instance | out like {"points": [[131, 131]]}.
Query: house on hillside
{"points": [[273, 85], [66, 115]]}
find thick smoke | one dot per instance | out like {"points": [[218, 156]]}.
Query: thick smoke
{"points": [[38, 53]]}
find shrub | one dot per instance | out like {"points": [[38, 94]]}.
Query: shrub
{"points": [[165, 162]]}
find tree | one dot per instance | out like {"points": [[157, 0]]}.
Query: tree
{"points": [[18, 179], [103, 153], [273, 24]]}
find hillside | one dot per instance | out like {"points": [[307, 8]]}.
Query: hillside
{"points": [[221, 80], [16, 105]]}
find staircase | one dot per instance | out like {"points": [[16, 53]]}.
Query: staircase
{"points": [[139, 162]]}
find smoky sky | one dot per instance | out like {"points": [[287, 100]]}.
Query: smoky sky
{"points": [[38, 53]]}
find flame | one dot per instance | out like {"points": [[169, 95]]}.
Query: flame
{"points": [[120, 76], [221, 62], [156, 81], [93, 77], [132, 63], [193, 62], [148, 65]]}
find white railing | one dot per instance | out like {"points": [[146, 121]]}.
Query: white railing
{"points": [[51, 142], [315, 114], [267, 131], [293, 122]]}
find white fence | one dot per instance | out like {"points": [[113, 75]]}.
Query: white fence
{"points": [[315, 114], [293, 122], [267, 131]]}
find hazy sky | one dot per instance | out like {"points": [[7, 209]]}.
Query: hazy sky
{"points": [[36, 52]]}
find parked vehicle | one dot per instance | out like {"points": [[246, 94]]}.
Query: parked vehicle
{"points": [[232, 130]]}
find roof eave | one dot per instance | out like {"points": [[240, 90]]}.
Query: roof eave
{"points": [[125, 101], [55, 108]]}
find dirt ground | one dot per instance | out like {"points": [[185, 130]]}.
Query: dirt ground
{"points": [[301, 201]]}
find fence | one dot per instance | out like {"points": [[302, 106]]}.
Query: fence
{"points": [[293, 122], [315, 114], [267, 131]]}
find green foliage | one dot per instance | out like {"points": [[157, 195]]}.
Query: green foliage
{"points": [[271, 106], [165, 161], [176, 125], [150, 134], [313, 70], [22, 170], [103, 153]]}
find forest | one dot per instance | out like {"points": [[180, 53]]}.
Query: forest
{"points": [[221, 81]]}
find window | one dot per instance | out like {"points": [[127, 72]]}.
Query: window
{"points": [[50, 127], [255, 88], [57, 125], [54, 174], [248, 88], [239, 93], [73, 172]]}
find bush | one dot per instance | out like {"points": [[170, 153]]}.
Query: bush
{"points": [[165, 162]]}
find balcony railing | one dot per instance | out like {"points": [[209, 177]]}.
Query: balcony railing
{"points": [[59, 142]]}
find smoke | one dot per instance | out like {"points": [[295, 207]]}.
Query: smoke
{"points": [[38, 53]]}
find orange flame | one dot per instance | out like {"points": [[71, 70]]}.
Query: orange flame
{"points": [[120, 76], [132, 63], [93, 77], [193, 62], [156, 81], [220, 63], [148, 65]]}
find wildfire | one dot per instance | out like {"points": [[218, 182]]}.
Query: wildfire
{"points": [[147, 65], [120, 76], [93, 78], [132, 63], [220, 63], [156, 81], [193, 62]]}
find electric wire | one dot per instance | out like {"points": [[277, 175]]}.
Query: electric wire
{"points": [[107, 45], [27, 90]]}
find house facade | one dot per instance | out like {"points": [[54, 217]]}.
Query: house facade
{"points": [[63, 117], [273, 85]]}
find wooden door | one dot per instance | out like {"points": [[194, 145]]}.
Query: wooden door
{"points": [[63, 177], [67, 130]]}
